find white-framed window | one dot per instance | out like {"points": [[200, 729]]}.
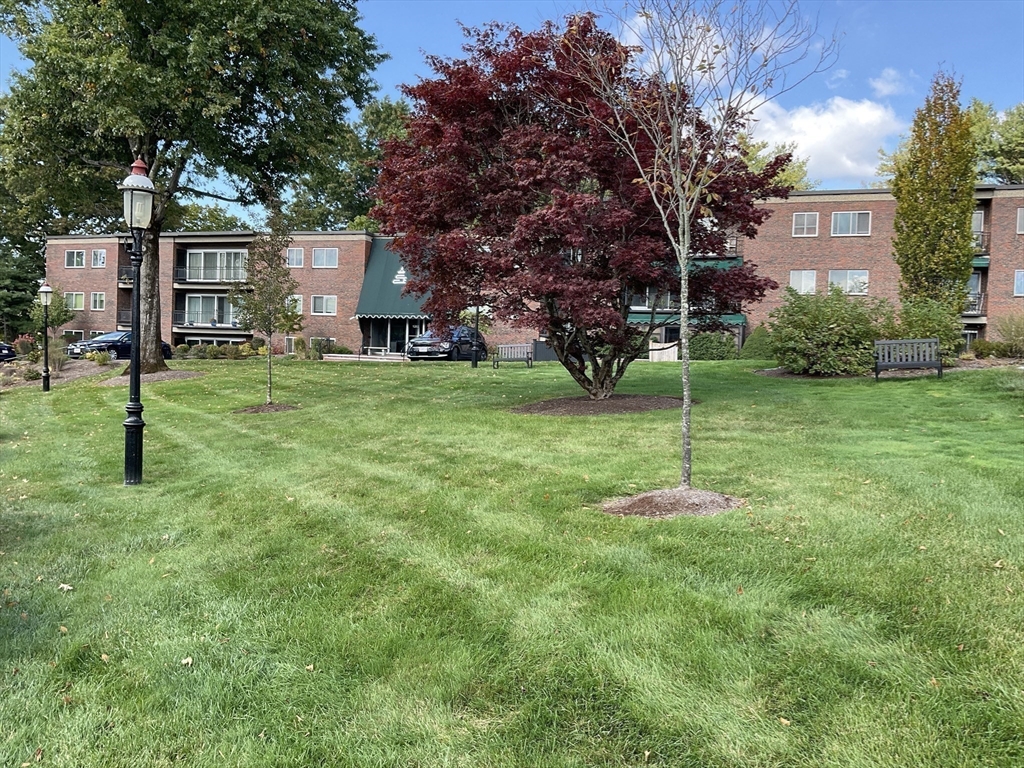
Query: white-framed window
{"points": [[323, 305], [99, 258], [295, 302], [74, 335], [295, 257], [74, 299], [208, 309], [851, 223], [97, 301], [803, 280], [325, 258], [805, 224], [94, 334], [74, 259], [215, 266], [852, 281], [289, 345], [1020, 221], [1018, 282]]}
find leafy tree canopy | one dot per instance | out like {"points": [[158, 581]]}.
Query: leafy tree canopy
{"points": [[250, 95], [197, 217], [758, 154], [934, 190], [337, 195], [509, 196]]}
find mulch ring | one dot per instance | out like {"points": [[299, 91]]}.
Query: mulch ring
{"points": [[673, 502], [267, 408], [584, 406]]}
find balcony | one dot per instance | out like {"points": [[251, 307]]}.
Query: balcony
{"points": [[203, 319], [981, 242], [975, 305], [125, 275], [209, 274]]}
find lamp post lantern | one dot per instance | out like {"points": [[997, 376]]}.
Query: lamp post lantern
{"points": [[138, 210], [45, 297]]}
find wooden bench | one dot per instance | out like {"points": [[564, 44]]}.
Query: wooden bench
{"points": [[907, 353], [513, 353]]}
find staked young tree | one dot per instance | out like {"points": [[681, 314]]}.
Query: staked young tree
{"points": [[507, 196], [934, 190], [263, 303], [226, 101], [678, 99]]}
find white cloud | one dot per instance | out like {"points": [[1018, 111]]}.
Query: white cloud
{"points": [[890, 83], [840, 137], [836, 78]]}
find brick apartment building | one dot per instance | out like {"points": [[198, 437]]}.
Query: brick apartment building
{"points": [[349, 288], [350, 283], [816, 238]]}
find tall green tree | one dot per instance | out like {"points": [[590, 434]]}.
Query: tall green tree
{"points": [[934, 190], [338, 195], [1000, 141], [758, 154], [225, 100], [19, 283], [263, 302]]}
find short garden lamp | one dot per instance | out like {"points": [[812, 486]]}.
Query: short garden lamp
{"points": [[138, 210], [45, 297]]}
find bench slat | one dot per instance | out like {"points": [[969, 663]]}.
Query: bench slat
{"points": [[907, 353]]}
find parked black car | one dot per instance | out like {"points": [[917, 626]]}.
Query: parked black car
{"points": [[6, 352], [117, 343], [457, 345]]}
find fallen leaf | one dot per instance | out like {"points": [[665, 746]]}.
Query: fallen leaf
{"points": [[63, 629], [998, 564], [934, 683], [187, 661], [960, 647], [65, 587], [309, 667], [104, 658], [739, 590], [1001, 533], [784, 721], [152, 560]]}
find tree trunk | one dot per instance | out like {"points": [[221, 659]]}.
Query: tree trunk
{"points": [[151, 358], [683, 256], [270, 357]]}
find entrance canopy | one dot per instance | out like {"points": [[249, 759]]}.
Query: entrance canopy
{"points": [[381, 295]]}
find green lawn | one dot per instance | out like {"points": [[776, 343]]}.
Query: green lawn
{"points": [[404, 573]]}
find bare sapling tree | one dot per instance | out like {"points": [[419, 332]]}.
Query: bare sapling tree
{"points": [[678, 102]]}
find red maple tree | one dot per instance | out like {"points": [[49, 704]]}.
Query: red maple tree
{"points": [[506, 194]]}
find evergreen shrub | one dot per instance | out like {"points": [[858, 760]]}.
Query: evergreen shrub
{"points": [[712, 346], [757, 346]]}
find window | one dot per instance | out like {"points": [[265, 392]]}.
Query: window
{"points": [[73, 335], [851, 223], [852, 281], [324, 305], [94, 334], [99, 257], [74, 301], [295, 303], [215, 266], [208, 309], [295, 257], [1018, 282], [74, 259], [1020, 221], [98, 301], [325, 257], [289, 345], [805, 225], [803, 280]]}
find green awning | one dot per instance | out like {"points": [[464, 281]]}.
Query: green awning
{"points": [[381, 294], [664, 318]]}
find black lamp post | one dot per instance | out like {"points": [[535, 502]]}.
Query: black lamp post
{"points": [[476, 335], [138, 210], [45, 297]]}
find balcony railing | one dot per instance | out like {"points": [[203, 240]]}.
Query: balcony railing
{"points": [[209, 274], [125, 275], [226, 319], [124, 317], [975, 305], [981, 242]]}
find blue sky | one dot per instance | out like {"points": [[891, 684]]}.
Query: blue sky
{"points": [[889, 53]]}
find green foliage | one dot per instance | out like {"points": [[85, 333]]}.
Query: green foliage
{"points": [[258, 342], [232, 352], [100, 358], [712, 346], [339, 195], [299, 345], [197, 217], [24, 344], [1000, 142], [757, 345], [934, 190], [1010, 329], [982, 348], [19, 281], [181, 350], [925, 318], [31, 374], [757, 155], [825, 334], [57, 314]]}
